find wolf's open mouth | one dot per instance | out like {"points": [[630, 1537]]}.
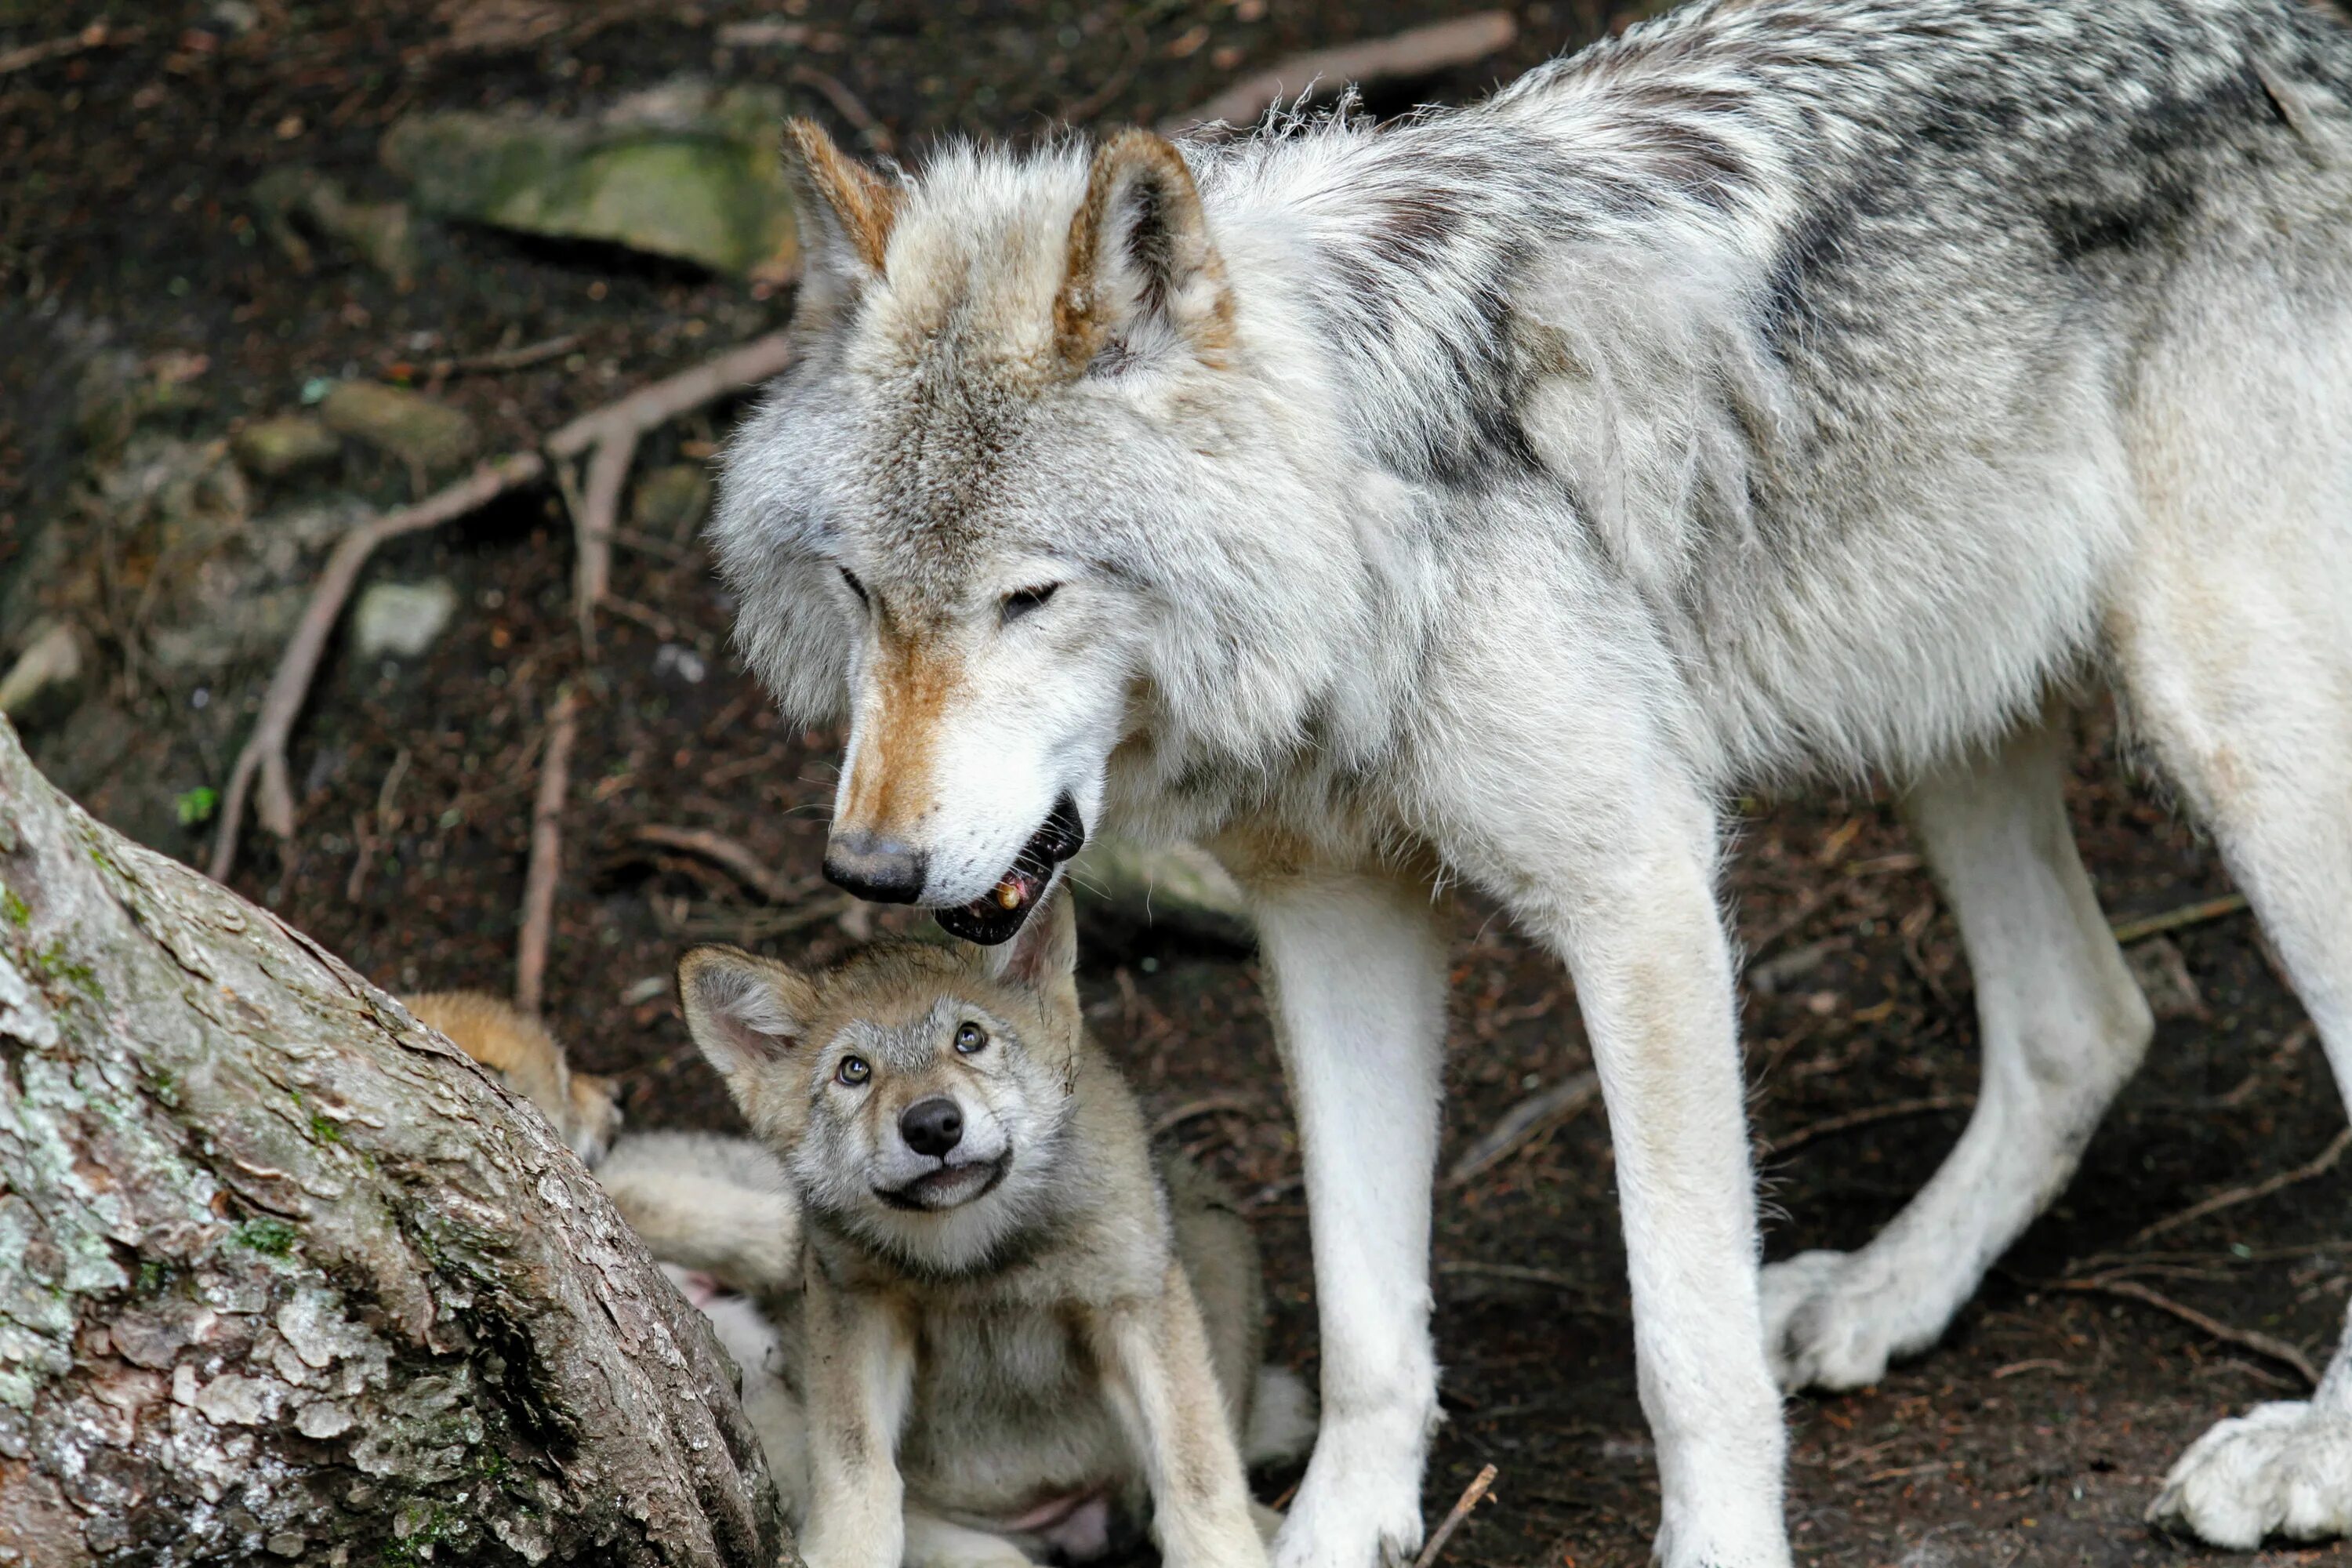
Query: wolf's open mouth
{"points": [[997, 915], [950, 1186]]}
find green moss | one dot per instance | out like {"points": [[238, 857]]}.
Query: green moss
{"points": [[274, 1237], [16, 910], [323, 1129]]}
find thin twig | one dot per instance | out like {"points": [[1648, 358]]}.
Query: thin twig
{"points": [[546, 852], [2325, 1161], [1207, 1105], [2254, 1339], [1852, 1120], [98, 34], [1469, 1499], [592, 524], [727, 854], [1417, 51], [1536, 1114], [500, 361], [264, 756], [847, 104], [2130, 931]]}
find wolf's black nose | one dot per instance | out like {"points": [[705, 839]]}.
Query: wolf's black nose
{"points": [[931, 1126], [880, 870]]}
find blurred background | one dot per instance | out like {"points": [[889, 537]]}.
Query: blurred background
{"points": [[269, 270]]}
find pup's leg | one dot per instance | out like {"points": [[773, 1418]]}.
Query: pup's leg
{"points": [[860, 1372], [2063, 1026], [1359, 982], [2236, 649], [936, 1543], [1156, 1358]]}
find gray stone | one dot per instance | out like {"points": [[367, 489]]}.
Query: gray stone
{"points": [[426, 435], [273, 448], [294, 201], [402, 619]]}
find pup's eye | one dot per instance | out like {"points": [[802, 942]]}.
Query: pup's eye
{"points": [[1022, 601], [855, 586], [853, 1072], [970, 1039]]}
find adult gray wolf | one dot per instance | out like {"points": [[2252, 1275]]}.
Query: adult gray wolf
{"points": [[1012, 1329], [1787, 389]]}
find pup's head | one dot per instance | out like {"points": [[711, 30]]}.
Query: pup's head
{"points": [[918, 1095], [1019, 492]]}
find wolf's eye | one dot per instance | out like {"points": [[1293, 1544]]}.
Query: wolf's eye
{"points": [[853, 1072], [971, 1039], [1020, 602], [855, 586]]}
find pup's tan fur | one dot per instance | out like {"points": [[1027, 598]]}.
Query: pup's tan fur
{"points": [[529, 1061], [989, 1349]]}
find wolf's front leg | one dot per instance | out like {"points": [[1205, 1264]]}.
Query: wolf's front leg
{"points": [[860, 1371], [1358, 980], [1156, 1357], [1644, 940]]}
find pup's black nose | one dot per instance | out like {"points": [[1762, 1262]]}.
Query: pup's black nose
{"points": [[931, 1126], [881, 870]]}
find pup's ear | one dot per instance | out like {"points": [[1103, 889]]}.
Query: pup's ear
{"points": [[845, 211], [1043, 956], [747, 1015], [1140, 272]]}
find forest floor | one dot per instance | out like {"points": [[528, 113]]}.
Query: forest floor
{"points": [[2034, 1435]]}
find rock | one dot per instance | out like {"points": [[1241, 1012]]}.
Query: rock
{"points": [[686, 170], [381, 234], [274, 449], [425, 435], [1181, 887], [670, 500], [402, 618], [2163, 979], [48, 680]]}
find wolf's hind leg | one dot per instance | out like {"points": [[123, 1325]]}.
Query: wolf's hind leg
{"points": [[2063, 1026], [2250, 712]]}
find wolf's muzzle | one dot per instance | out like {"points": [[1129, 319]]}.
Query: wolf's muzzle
{"points": [[877, 870]]}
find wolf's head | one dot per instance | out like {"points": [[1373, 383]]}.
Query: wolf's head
{"points": [[919, 1095], [1029, 490]]}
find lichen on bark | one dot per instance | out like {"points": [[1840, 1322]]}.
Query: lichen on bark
{"points": [[282, 1274]]}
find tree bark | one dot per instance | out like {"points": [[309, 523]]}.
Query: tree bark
{"points": [[284, 1276]]}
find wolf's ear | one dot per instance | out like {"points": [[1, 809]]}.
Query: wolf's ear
{"points": [[845, 211], [1140, 265], [745, 1013], [1043, 955]]}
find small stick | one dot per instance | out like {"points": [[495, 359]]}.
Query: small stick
{"points": [[1852, 1120], [1469, 1499], [593, 522], [1417, 51], [498, 361], [2130, 931], [546, 852], [1207, 1105], [2325, 1161], [1538, 1113], [726, 853], [2254, 1339]]}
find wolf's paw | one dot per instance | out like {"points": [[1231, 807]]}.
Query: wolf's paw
{"points": [[1825, 1322], [1359, 1506], [2281, 1469]]}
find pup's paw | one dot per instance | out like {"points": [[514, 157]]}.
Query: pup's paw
{"points": [[1359, 1506], [1826, 1324], [2281, 1469]]}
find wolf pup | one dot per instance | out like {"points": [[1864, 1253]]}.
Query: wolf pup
{"points": [[527, 1060], [1782, 389], [1006, 1323]]}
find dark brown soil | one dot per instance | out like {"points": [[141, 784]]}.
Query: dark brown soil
{"points": [[2034, 1437]]}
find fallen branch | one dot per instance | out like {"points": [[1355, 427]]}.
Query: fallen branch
{"points": [[264, 755], [2254, 1339], [1536, 1114], [1471, 1496], [2325, 1161], [1417, 51], [729, 854], [1852, 1120], [546, 852], [2130, 931], [597, 513]]}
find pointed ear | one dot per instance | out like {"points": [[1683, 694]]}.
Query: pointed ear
{"points": [[1140, 265], [1043, 955], [845, 211], [746, 1013]]}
